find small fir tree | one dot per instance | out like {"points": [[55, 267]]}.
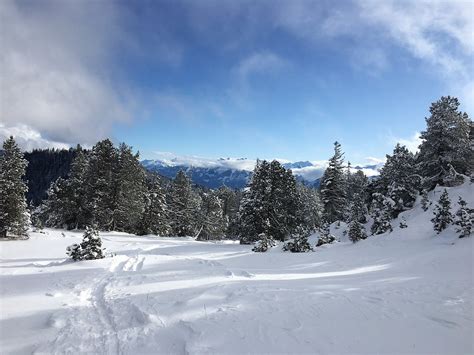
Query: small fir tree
{"points": [[299, 243], [381, 213], [443, 217], [264, 243], [325, 236], [91, 245], [356, 231], [464, 219]]}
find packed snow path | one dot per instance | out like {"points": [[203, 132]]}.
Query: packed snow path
{"points": [[166, 295]]}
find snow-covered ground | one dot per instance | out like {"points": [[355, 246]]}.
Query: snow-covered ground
{"points": [[410, 291]]}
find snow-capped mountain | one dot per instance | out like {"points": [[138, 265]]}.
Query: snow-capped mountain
{"points": [[235, 172]]}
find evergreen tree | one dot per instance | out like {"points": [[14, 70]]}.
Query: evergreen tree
{"points": [[403, 223], [130, 190], [443, 217], [381, 211], [399, 180], [230, 208], [89, 249], [299, 242], [325, 236], [154, 219], [77, 206], [358, 209], [309, 214], [356, 231], [102, 184], [263, 243], [254, 209], [333, 187], [14, 218], [183, 206], [445, 142], [213, 222], [425, 202], [464, 219], [283, 202], [270, 204]]}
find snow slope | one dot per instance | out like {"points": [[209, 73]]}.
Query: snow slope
{"points": [[410, 291]]}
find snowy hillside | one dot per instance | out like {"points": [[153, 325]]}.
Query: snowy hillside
{"points": [[235, 172], [409, 291]]}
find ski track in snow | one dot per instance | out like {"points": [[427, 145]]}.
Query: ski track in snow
{"points": [[407, 292]]}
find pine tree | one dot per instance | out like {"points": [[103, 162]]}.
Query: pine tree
{"points": [[154, 219], [399, 180], [425, 202], [358, 209], [443, 217], [213, 222], [270, 204], [356, 231], [299, 242], [130, 189], [183, 206], [325, 236], [381, 211], [77, 206], [464, 219], [230, 208], [445, 142], [309, 214], [102, 184], [91, 245], [333, 187], [263, 243], [14, 217]]}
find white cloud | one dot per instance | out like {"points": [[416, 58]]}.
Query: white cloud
{"points": [[28, 138], [412, 143], [259, 63], [56, 73]]}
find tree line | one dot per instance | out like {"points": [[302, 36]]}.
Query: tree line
{"points": [[107, 188]]}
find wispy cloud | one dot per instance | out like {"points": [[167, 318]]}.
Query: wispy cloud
{"points": [[412, 143]]}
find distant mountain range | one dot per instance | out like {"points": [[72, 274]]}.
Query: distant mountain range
{"points": [[235, 172]]}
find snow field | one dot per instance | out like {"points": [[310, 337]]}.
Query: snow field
{"points": [[410, 291]]}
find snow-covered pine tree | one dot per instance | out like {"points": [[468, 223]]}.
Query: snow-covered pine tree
{"points": [[183, 206], [213, 222], [356, 187], [356, 231], [130, 180], [154, 219], [254, 207], [230, 208], [464, 219], [425, 202], [76, 184], [381, 211], [399, 180], [263, 243], [309, 214], [443, 217], [101, 184], [445, 142], [333, 187], [325, 236], [283, 202], [358, 209], [91, 245], [14, 217], [299, 241]]}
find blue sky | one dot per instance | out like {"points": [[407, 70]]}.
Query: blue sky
{"points": [[268, 79]]}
